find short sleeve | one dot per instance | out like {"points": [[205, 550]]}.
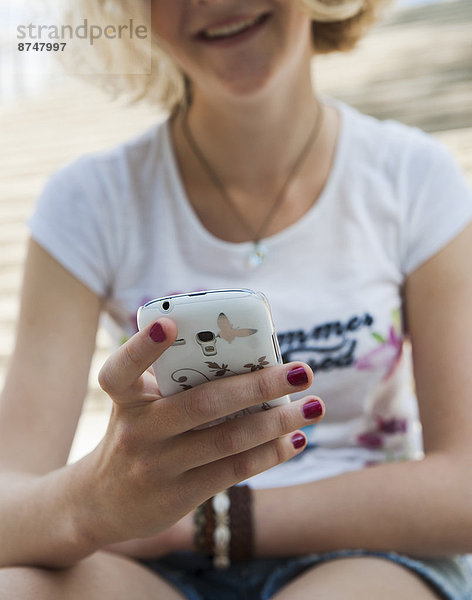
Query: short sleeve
{"points": [[437, 204], [73, 221]]}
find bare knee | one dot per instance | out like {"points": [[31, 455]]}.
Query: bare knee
{"points": [[73, 583], [357, 578], [27, 583], [101, 576]]}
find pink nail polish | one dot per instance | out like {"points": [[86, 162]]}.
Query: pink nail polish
{"points": [[298, 440], [312, 409], [156, 333], [297, 376]]}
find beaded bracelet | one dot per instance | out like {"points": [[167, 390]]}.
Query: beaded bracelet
{"points": [[240, 518], [222, 531], [224, 527]]}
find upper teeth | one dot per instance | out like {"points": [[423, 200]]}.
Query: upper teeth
{"points": [[227, 30]]}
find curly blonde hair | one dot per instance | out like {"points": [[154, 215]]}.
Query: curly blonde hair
{"points": [[337, 25]]}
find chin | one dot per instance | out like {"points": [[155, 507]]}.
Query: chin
{"points": [[249, 85]]}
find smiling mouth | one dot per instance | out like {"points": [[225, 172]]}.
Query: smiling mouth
{"points": [[224, 32]]}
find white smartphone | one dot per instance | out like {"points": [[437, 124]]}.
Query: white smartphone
{"points": [[220, 333]]}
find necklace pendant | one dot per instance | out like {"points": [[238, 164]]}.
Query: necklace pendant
{"points": [[257, 256]]}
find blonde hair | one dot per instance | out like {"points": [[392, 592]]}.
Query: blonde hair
{"points": [[337, 25]]}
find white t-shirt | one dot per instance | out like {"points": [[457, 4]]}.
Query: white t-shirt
{"points": [[120, 221]]}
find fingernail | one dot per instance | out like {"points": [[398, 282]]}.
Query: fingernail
{"points": [[297, 376], [312, 409], [298, 440], [157, 333]]}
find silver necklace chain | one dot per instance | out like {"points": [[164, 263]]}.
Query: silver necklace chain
{"points": [[259, 252]]}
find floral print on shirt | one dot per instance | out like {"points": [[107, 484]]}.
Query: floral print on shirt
{"points": [[387, 354]]}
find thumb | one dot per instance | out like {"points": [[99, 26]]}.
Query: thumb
{"points": [[126, 365]]}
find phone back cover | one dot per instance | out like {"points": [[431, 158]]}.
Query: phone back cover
{"points": [[242, 340]]}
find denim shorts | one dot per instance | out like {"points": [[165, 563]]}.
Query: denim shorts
{"points": [[260, 579]]}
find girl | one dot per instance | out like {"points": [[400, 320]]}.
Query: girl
{"points": [[358, 232]]}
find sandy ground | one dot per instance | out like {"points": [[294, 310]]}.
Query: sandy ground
{"points": [[416, 67]]}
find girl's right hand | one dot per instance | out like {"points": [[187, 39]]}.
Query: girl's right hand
{"points": [[153, 467]]}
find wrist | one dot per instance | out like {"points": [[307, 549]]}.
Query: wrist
{"points": [[93, 508], [84, 521], [42, 521]]}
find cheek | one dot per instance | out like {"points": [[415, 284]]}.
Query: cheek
{"points": [[168, 24], [300, 25], [299, 34], [166, 16]]}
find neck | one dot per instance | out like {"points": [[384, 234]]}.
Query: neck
{"points": [[234, 134]]}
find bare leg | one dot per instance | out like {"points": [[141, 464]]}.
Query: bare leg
{"points": [[102, 576], [359, 578]]}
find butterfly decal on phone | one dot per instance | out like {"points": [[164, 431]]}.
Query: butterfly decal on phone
{"points": [[228, 332]]}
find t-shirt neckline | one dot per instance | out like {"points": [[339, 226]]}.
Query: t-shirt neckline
{"points": [[312, 213]]}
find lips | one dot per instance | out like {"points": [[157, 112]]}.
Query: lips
{"points": [[232, 29]]}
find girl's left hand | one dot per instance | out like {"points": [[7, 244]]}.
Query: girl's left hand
{"points": [[176, 538]]}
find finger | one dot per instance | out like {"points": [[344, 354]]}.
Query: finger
{"points": [[229, 471], [242, 434], [126, 365], [222, 397]]}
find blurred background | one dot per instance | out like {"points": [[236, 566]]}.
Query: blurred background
{"points": [[415, 66]]}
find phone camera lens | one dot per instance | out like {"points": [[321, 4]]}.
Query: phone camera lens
{"points": [[165, 305], [205, 336]]}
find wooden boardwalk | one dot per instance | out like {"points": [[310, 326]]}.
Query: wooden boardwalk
{"points": [[415, 67]]}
